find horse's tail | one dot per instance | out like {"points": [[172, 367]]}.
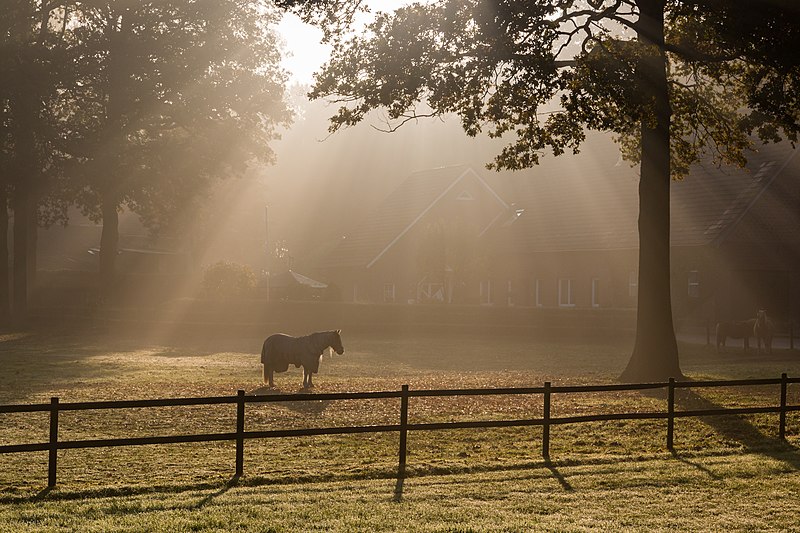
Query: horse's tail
{"points": [[264, 353]]}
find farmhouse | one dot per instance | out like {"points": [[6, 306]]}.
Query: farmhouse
{"points": [[564, 235], [422, 244]]}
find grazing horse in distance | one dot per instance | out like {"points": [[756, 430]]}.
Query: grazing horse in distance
{"points": [[280, 350], [763, 330], [737, 330]]}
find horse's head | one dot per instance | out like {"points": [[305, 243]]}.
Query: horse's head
{"points": [[336, 341], [761, 316]]}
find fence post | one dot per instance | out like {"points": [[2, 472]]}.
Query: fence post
{"points": [[670, 413], [546, 422], [782, 423], [240, 433], [53, 455], [791, 335], [708, 332], [403, 428]]}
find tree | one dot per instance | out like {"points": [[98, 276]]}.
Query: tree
{"points": [[453, 255], [6, 156], [673, 80], [169, 95], [31, 49]]}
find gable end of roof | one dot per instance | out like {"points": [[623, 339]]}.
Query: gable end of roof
{"points": [[467, 171]]}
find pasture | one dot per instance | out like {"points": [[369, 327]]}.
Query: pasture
{"points": [[727, 472]]}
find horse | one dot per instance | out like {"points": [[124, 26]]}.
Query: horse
{"points": [[762, 330], [281, 350], [737, 330]]}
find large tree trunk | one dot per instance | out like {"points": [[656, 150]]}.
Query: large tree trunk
{"points": [[33, 242], [26, 169], [26, 109], [20, 264], [655, 352], [109, 244], [117, 26], [5, 281]]}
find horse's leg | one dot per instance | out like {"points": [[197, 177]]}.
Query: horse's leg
{"points": [[271, 382], [307, 378]]}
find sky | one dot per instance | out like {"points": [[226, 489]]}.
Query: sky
{"points": [[304, 52]]}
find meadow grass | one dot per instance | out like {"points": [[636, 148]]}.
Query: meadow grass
{"points": [[726, 472]]}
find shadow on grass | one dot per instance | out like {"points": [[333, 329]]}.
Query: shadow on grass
{"points": [[558, 475], [694, 464], [263, 481], [307, 407], [398, 486], [543, 469], [42, 494], [736, 428]]}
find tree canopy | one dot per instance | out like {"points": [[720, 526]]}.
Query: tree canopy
{"points": [[546, 71], [141, 104], [674, 81], [170, 94]]}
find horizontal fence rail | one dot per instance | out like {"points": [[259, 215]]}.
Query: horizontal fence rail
{"points": [[403, 427]]}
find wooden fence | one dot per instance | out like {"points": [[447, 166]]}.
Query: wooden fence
{"points": [[403, 427]]}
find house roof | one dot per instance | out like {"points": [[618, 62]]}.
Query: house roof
{"points": [[589, 201], [291, 278], [400, 212], [713, 204], [584, 201]]}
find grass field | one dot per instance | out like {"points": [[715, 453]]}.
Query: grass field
{"points": [[726, 473]]}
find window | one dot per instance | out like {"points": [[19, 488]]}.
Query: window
{"points": [[595, 292], [537, 290], [633, 284], [486, 292], [565, 293], [694, 284], [388, 292]]}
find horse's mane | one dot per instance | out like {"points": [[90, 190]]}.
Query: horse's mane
{"points": [[320, 339]]}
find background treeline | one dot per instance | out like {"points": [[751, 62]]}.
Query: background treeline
{"points": [[108, 105]]}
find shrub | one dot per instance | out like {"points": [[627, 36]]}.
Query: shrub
{"points": [[225, 280]]}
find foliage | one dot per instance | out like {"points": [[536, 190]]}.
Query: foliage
{"points": [[111, 104], [546, 71], [34, 70], [225, 280], [168, 96]]}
